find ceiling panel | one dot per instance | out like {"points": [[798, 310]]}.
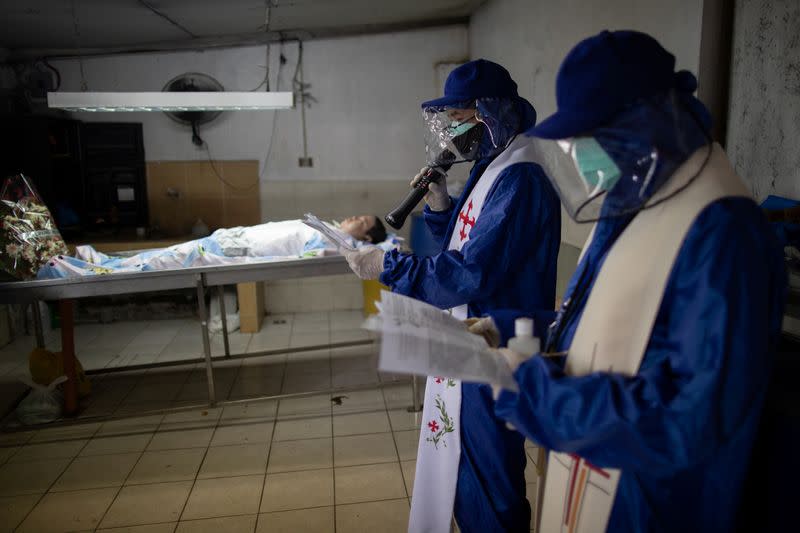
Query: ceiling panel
{"points": [[50, 24], [364, 12]]}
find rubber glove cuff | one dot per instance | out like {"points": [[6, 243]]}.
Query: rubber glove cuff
{"points": [[366, 262]]}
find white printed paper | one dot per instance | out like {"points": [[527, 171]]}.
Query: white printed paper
{"points": [[418, 338], [335, 237]]}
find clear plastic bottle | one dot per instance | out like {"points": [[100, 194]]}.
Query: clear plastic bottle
{"points": [[200, 229], [523, 341]]}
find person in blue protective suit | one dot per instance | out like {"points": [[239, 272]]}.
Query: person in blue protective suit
{"points": [[651, 385], [499, 242]]}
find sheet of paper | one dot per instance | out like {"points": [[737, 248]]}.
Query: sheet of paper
{"points": [[421, 339], [335, 237]]}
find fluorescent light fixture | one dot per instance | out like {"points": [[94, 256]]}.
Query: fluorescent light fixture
{"points": [[170, 101]]}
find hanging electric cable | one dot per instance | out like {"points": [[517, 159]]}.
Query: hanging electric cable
{"points": [[84, 85], [305, 98], [219, 176], [302, 98], [265, 80], [281, 63], [55, 71]]}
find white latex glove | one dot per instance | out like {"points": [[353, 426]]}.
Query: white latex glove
{"points": [[486, 328], [513, 359], [436, 197], [366, 262]]}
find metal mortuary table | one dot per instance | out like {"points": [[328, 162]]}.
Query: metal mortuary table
{"points": [[65, 291]]}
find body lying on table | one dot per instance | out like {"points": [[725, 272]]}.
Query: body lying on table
{"points": [[263, 242]]}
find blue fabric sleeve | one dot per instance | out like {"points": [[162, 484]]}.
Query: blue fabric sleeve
{"points": [[437, 221], [703, 375], [452, 278]]}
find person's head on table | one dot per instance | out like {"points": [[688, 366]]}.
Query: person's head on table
{"points": [[364, 228]]}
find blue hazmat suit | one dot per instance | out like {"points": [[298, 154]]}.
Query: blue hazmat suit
{"points": [[510, 260], [682, 429]]}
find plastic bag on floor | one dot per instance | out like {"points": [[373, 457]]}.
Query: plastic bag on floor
{"points": [[215, 324], [231, 314], [42, 404]]}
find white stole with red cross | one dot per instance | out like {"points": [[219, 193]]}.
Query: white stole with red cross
{"points": [[616, 324], [440, 438]]}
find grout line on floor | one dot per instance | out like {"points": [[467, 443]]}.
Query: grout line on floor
{"points": [[148, 483], [124, 481], [298, 509], [50, 487], [196, 475], [167, 344], [394, 441], [17, 446], [249, 341], [213, 518], [138, 380], [7, 459], [271, 440]]}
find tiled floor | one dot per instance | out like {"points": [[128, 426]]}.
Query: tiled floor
{"points": [[295, 465]]}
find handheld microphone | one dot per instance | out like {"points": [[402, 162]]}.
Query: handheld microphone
{"points": [[397, 217]]}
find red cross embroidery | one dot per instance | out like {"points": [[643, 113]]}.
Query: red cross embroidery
{"points": [[464, 217]]}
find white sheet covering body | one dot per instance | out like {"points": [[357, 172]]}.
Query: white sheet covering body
{"points": [[285, 239], [264, 242]]}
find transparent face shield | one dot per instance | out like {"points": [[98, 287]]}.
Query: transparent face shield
{"points": [[452, 135], [590, 182], [621, 168], [473, 130]]}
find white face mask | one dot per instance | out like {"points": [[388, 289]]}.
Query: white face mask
{"points": [[595, 165]]}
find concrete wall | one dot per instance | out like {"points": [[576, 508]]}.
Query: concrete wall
{"points": [[764, 118], [365, 124], [531, 38]]}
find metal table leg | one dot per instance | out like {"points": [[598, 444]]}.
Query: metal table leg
{"points": [[415, 403], [203, 310], [66, 310], [37, 324], [224, 317]]}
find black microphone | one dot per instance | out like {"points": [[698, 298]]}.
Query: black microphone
{"points": [[397, 217]]}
